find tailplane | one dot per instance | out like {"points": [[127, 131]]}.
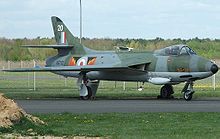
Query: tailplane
{"points": [[64, 37]]}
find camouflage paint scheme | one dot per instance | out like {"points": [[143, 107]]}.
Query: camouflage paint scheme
{"points": [[168, 66], [179, 68]]}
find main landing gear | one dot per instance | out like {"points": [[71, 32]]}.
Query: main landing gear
{"points": [[87, 88], [167, 90]]}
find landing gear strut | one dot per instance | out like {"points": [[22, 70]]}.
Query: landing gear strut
{"points": [[166, 92], [85, 91], [87, 88], [188, 91]]}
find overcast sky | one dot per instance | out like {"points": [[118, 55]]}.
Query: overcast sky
{"points": [[113, 18]]}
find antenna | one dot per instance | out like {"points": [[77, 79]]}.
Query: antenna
{"points": [[80, 22]]}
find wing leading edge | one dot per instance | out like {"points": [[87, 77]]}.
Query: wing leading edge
{"points": [[67, 68], [86, 68], [48, 46]]}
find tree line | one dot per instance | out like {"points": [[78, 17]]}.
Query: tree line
{"points": [[10, 48]]}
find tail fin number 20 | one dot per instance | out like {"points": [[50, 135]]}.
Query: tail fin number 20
{"points": [[59, 28]]}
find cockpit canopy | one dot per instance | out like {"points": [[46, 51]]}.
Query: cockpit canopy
{"points": [[175, 50]]}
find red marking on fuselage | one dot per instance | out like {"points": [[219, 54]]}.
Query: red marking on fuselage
{"points": [[72, 62], [81, 63], [64, 37]]}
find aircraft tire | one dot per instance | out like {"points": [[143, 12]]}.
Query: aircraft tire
{"points": [[163, 92], [187, 95], [166, 91], [89, 94]]}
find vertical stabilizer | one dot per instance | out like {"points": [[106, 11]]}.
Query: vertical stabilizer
{"points": [[64, 37]]}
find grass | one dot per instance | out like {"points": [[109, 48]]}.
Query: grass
{"points": [[114, 125], [119, 125]]}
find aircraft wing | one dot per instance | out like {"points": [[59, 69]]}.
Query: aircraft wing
{"points": [[49, 46], [86, 68], [138, 65]]}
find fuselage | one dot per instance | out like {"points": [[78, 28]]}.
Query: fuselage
{"points": [[174, 66]]}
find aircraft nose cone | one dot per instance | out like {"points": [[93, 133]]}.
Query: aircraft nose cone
{"points": [[214, 68]]}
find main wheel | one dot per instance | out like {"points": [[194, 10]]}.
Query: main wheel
{"points": [[166, 91], [187, 95], [87, 97]]}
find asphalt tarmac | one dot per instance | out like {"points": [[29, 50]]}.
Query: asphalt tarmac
{"points": [[122, 106]]}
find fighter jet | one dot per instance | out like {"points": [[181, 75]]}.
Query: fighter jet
{"points": [[166, 67]]}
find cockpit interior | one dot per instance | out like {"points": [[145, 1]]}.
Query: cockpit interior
{"points": [[175, 50]]}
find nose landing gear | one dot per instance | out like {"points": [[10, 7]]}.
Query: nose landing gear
{"points": [[188, 91]]}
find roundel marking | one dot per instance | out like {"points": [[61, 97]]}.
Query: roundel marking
{"points": [[82, 61]]}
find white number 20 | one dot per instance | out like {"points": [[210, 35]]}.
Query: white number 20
{"points": [[59, 27]]}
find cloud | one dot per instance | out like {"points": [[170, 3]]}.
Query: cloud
{"points": [[113, 18]]}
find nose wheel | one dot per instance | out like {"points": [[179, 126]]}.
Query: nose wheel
{"points": [[187, 95], [188, 91]]}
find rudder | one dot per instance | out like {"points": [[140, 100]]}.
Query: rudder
{"points": [[64, 37]]}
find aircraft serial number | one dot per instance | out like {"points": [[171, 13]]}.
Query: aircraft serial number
{"points": [[60, 63]]}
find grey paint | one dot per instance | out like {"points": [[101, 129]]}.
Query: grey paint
{"points": [[161, 65], [193, 64], [122, 106]]}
